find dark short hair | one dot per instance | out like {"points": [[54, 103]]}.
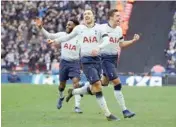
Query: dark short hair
{"points": [[75, 21], [111, 12]]}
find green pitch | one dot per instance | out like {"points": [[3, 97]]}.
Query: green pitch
{"points": [[35, 106]]}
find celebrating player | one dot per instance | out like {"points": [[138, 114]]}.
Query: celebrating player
{"points": [[109, 56], [69, 65], [90, 36]]}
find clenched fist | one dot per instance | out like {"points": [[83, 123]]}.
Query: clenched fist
{"points": [[136, 37], [95, 52]]}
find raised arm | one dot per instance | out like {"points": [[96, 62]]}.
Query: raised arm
{"points": [[46, 33], [123, 43], [68, 36], [50, 35]]}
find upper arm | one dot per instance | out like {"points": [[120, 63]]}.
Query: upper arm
{"points": [[104, 37], [68, 36], [56, 35], [103, 31], [51, 35]]}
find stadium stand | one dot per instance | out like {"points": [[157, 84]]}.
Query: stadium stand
{"points": [[22, 48], [147, 19], [171, 51]]}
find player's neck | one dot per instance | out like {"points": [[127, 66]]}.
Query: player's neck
{"points": [[90, 25], [112, 25]]}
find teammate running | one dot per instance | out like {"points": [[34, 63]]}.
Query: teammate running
{"points": [[69, 65], [109, 55]]}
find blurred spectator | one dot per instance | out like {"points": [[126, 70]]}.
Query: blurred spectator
{"points": [[13, 77], [171, 52], [55, 67], [171, 68], [41, 65], [32, 61], [158, 70], [3, 64], [172, 34], [48, 61], [10, 59]]}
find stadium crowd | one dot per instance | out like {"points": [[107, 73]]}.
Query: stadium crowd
{"points": [[23, 48], [171, 52]]}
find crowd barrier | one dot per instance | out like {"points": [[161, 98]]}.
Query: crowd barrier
{"points": [[40, 79]]}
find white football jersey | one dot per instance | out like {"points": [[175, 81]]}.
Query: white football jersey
{"points": [[115, 36], [69, 49], [88, 38]]}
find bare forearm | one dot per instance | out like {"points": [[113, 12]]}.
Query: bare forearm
{"points": [[49, 35], [126, 43]]}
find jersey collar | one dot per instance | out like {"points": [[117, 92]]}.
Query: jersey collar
{"points": [[110, 26], [92, 26]]}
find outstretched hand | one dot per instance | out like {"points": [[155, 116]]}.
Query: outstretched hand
{"points": [[38, 22], [49, 41]]}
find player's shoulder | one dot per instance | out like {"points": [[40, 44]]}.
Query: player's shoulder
{"points": [[103, 26], [118, 28], [99, 26], [61, 33], [81, 26]]}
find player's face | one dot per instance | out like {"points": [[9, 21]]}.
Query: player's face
{"points": [[69, 27], [116, 18], [88, 16]]}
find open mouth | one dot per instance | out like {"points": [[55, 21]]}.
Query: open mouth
{"points": [[118, 22], [87, 18]]}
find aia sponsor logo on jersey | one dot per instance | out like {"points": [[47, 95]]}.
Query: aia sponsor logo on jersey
{"points": [[90, 40], [113, 40], [70, 47]]}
